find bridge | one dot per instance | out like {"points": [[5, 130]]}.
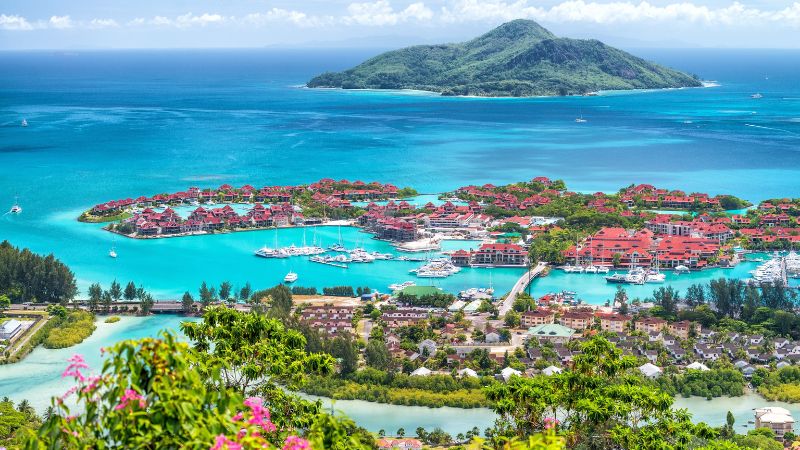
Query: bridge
{"points": [[520, 286]]}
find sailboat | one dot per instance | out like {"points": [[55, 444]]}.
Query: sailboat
{"points": [[112, 253], [580, 119], [24, 123]]}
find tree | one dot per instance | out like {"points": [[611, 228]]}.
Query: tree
{"points": [[377, 354], [245, 292], [621, 297], [345, 350], [667, 298], [130, 291], [206, 296], [225, 290], [512, 319], [187, 303], [95, 296], [401, 432], [616, 260], [107, 299], [115, 290], [695, 295], [146, 303], [280, 300], [257, 351], [5, 303]]}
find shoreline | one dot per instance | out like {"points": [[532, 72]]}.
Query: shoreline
{"points": [[598, 93]]}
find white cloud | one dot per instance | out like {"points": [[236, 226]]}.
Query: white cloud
{"points": [[13, 22], [103, 23], [190, 19], [60, 22], [293, 17], [616, 12], [381, 12]]}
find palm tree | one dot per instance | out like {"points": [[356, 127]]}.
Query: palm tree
{"points": [[25, 407]]}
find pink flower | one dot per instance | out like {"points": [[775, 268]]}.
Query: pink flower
{"points": [[237, 417], [550, 423], [222, 443], [296, 443], [127, 397], [261, 415], [69, 392], [93, 383], [76, 363]]}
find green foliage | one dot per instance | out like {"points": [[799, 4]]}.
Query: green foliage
{"points": [[711, 383], [253, 351], [436, 300], [72, 330], [339, 291], [600, 404], [519, 58], [377, 355], [16, 423], [27, 277], [299, 290], [113, 319]]}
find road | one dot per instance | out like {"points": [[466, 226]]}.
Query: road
{"points": [[520, 286]]}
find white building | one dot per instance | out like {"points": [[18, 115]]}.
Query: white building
{"points": [[421, 372], [698, 366], [650, 370], [777, 419], [10, 328], [508, 372]]}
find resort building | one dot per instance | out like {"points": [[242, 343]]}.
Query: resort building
{"points": [[509, 255], [777, 419], [539, 317], [650, 325], [577, 320], [328, 319], [613, 322], [403, 317], [614, 245]]}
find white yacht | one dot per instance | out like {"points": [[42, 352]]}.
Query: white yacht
{"points": [[24, 123], [16, 209], [112, 253], [655, 277], [290, 277], [681, 269], [602, 269], [756, 96], [591, 268]]}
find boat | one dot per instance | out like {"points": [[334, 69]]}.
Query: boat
{"points": [[618, 278], [112, 253], [16, 209], [655, 277], [756, 96], [580, 120], [290, 277], [681, 269], [602, 269], [400, 286], [591, 269], [24, 123]]}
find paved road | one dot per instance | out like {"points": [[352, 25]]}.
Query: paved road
{"points": [[520, 286]]}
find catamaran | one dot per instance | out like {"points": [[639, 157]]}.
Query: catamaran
{"points": [[112, 253], [290, 277], [16, 209]]}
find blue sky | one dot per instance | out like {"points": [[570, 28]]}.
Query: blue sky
{"points": [[79, 24]]}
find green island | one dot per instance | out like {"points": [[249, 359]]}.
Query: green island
{"points": [[517, 59], [90, 216]]}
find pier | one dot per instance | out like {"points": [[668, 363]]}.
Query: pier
{"points": [[520, 286]]}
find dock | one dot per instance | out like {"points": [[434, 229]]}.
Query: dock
{"points": [[330, 263]]}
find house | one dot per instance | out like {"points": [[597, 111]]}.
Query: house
{"points": [[467, 372], [421, 372], [650, 370], [508, 372], [551, 370], [552, 332], [613, 322], [10, 328], [698, 366], [650, 324], [748, 371], [683, 329], [577, 320], [777, 419], [500, 255], [492, 337], [427, 347], [539, 317]]}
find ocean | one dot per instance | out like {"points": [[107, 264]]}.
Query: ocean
{"points": [[115, 124]]}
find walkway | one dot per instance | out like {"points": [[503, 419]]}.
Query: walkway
{"points": [[520, 286]]}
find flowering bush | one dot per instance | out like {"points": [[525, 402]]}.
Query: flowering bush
{"points": [[150, 394]]}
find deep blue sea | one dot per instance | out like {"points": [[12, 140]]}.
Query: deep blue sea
{"points": [[107, 125]]}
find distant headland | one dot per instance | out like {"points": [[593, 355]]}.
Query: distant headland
{"points": [[517, 59]]}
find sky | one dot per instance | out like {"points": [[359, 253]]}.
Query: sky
{"points": [[118, 24]]}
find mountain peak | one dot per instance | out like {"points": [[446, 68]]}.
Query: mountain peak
{"points": [[520, 29]]}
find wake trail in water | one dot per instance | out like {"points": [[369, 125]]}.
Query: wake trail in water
{"points": [[770, 128]]}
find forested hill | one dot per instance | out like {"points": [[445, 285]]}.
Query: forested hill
{"points": [[519, 58]]}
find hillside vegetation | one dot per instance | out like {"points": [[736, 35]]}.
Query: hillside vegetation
{"points": [[519, 58]]}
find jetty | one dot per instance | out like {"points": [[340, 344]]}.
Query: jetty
{"points": [[520, 286]]}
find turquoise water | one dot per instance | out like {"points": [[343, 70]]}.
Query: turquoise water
{"points": [[106, 125], [38, 377]]}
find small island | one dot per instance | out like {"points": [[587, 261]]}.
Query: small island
{"points": [[517, 59]]}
